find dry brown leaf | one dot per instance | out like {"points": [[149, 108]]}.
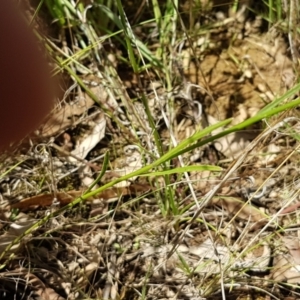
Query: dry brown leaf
{"points": [[44, 292], [64, 117], [290, 208], [287, 262], [285, 270], [293, 245], [49, 294], [89, 269], [257, 259], [15, 229], [239, 208], [128, 163], [65, 198], [233, 144], [90, 141]]}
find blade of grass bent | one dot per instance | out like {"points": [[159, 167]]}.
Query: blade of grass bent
{"points": [[260, 116], [287, 95], [184, 169], [102, 172]]}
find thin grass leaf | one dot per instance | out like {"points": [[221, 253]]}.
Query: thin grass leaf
{"points": [[260, 116], [102, 172], [57, 11], [185, 266], [143, 49], [11, 169], [111, 15], [292, 92], [184, 169]]}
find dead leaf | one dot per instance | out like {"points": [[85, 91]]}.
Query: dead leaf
{"points": [[233, 144], [89, 142], [41, 289], [126, 164], [257, 259], [65, 198], [64, 117], [239, 208], [287, 261], [15, 229]]}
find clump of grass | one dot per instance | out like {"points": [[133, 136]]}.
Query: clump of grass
{"points": [[148, 50]]}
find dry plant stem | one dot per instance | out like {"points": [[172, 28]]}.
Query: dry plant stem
{"points": [[87, 163], [267, 225], [197, 62], [66, 153], [283, 208], [248, 287], [263, 185], [206, 199], [233, 167], [290, 209], [293, 34], [186, 175]]}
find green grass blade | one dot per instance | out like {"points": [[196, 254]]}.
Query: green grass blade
{"points": [[181, 170]]}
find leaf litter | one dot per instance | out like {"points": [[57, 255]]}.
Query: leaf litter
{"points": [[117, 244]]}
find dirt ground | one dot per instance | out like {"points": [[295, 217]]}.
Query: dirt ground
{"points": [[243, 243]]}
